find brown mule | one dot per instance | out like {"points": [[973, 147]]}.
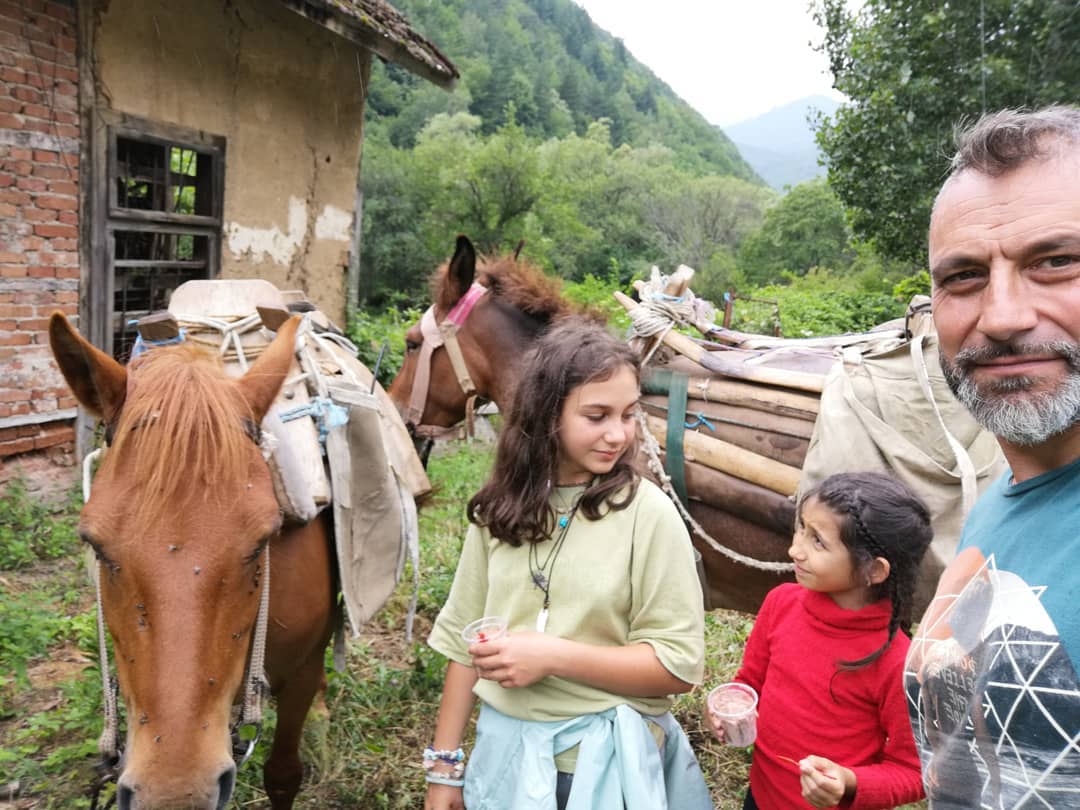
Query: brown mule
{"points": [[181, 510]]}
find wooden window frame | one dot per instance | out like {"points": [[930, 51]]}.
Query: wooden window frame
{"points": [[109, 217]]}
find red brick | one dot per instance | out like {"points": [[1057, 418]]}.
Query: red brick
{"points": [[39, 215], [10, 105], [64, 244], [62, 117], [11, 395], [33, 125], [51, 172], [14, 339], [55, 202], [12, 272], [45, 156], [68, 231], [56, 258], [7, 324], [20, 154], [8, 211], [41, 271], [34, 325], [37, 111], [66, 187], [66, 88], [69, 217], [15, 311], [32, 184], [9, 121], [27, 94], [70, 271], [49, 440], [23, 168], [15, 197], [6, 179], [16, 447], [8, 257], [68, 296]]}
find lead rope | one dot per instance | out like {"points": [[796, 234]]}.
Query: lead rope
{"points": [[108, 742], [652, 449], [255, 683]]}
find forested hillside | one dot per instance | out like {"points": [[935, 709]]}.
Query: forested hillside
{"points": [[559, 71]]}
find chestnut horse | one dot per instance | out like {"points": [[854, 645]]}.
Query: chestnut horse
{"points": [[519, 304], [182, 517]]}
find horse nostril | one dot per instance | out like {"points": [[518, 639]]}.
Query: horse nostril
{"points": [[125, 798], [226, 782]]}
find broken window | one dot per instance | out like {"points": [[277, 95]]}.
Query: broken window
{"points": [[165, 201]]}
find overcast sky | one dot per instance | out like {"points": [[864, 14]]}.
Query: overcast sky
{"points": [[729, 59]]}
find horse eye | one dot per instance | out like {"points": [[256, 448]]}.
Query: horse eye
{"points": [[411, 345]]}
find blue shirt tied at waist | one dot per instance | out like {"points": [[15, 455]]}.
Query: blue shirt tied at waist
{"points": [[513, 763]]}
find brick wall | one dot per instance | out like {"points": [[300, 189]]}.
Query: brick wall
{"points": [[39, 203]]}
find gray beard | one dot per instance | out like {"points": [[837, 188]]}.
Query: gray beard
{"points": [[1003, 407]]}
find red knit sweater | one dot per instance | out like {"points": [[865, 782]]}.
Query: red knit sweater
{"points": [[790, 659]]}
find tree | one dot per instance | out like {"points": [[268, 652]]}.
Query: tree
{"points": [[805, 229], [912, 70]]}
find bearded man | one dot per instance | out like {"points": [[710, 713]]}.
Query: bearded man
{"points": [[992, 674]]}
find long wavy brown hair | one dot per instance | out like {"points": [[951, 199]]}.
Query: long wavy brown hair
{"points": [[514, 503]]}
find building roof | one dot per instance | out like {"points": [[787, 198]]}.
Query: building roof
{"points": [[379, 27]]}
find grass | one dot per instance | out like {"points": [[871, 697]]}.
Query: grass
{"points": [[361, 751]]}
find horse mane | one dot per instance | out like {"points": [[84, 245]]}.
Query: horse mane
{"points": [[181, 427], [515, 282]]}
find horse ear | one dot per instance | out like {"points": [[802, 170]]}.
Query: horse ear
{"points": [[98, 381], [260, 385], [462, 266]]}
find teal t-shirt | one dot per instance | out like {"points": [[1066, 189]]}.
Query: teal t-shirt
{"points": [[991, 675]]}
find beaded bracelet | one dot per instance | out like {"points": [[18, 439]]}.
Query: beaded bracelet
{"points": [[435, 779], [432, 757]]}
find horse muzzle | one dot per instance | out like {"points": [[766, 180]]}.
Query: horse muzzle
{"points": [[131, 794]]}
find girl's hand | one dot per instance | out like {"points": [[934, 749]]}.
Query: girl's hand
{"points": [[824, 783], [517, 659], [712, 723], [444, 797]]}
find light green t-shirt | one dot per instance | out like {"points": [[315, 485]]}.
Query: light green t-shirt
{"points": [[626, 578]]}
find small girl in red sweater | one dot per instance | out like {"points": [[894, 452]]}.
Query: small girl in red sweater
{"points": [[827, 660]]}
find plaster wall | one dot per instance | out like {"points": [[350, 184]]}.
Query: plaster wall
{"points": [[287, 95]]}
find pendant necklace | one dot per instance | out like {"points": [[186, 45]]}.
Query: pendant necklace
{"points": [[541, 572]]}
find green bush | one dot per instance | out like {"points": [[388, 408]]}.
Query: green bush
{"points": [[380, 339]]}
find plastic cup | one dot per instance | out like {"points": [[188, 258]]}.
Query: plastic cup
{"points": [[488, 628], [734, 705]]}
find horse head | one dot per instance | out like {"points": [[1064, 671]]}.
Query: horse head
{"points": [[487, 311], [180, 512]]}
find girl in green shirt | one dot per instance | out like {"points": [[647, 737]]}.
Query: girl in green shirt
{"points": [[593, 570]]}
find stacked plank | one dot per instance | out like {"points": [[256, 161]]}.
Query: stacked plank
{"points": [[751, 404]]}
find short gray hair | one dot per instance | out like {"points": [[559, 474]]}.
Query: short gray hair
{"points": [[999, 142]]}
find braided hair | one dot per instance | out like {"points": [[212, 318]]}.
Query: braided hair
{"points": [[880, 517]]}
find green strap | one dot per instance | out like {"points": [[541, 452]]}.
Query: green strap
{"points": [[656, 381], [676, 426]]}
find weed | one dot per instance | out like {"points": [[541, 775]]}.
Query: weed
{"points": [[32, 530]]}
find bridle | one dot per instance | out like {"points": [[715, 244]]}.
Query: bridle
{"points": [[445, 335]]}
